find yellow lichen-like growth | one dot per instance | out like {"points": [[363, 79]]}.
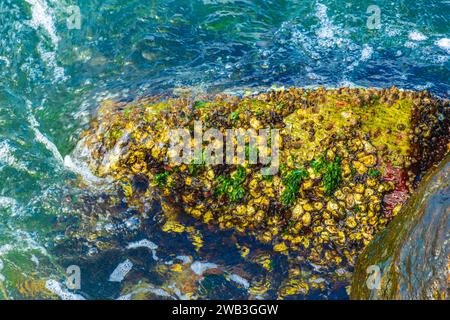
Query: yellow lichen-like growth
{"points": [[349, 159]]}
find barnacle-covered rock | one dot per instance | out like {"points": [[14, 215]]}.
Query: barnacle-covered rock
{"points": [[349, 158]]}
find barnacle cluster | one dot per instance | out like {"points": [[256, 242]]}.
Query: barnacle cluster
{"points": [[349, 158]]}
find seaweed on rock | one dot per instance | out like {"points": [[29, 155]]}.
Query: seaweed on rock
{"points": [[349, 160]]}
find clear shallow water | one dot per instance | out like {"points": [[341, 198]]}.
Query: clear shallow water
{"points": [[52, 77]]}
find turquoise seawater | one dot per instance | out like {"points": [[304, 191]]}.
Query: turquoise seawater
{"points": [[52, 77]]}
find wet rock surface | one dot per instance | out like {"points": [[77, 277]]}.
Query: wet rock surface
{"points": [[409, 259], [349, 159]]}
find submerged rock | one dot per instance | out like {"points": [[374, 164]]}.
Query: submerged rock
{"points": [[409, 259], [348, 160]]}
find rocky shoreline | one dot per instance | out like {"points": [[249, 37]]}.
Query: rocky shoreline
{"points": [[349, 160]]}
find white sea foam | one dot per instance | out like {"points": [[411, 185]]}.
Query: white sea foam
{"points": [[393, 31], [347, 83], [26, 242], [5, 60], [56, 288], [4, 249], [444, 43], [366, 52], [2, 277], [6, 154], [239, 280], [82, 169], [49, 57], [77, 162], [411, 44], [329, 37], [144, 243], [7, 157], [8, 203], [326, 30], [417, 36], [156, 291], [41, 138], [177, 292], [21, 241], [42, 16], [121, 271], [200, 267], [113, 156], [184, 259], [421, 87], [35, 260]]}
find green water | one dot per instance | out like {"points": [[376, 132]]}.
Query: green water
{"points": [[52, 78]]}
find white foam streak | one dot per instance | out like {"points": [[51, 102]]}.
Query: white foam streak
{"points": [[444, 43], [56, 288], [239, 280], [82, 169], [417, 36], [200, 267], [23, 242], [7, 202], [7, 157], [144, 243], [42, 16], [326, 30], [156, 291], [5, 60], [43, 139], [77, 162], [366, 52], [2, 277]]}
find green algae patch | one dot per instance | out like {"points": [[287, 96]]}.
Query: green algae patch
{"points": [[232, 186], [292, 182], [349, 159], [331, 171]]}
